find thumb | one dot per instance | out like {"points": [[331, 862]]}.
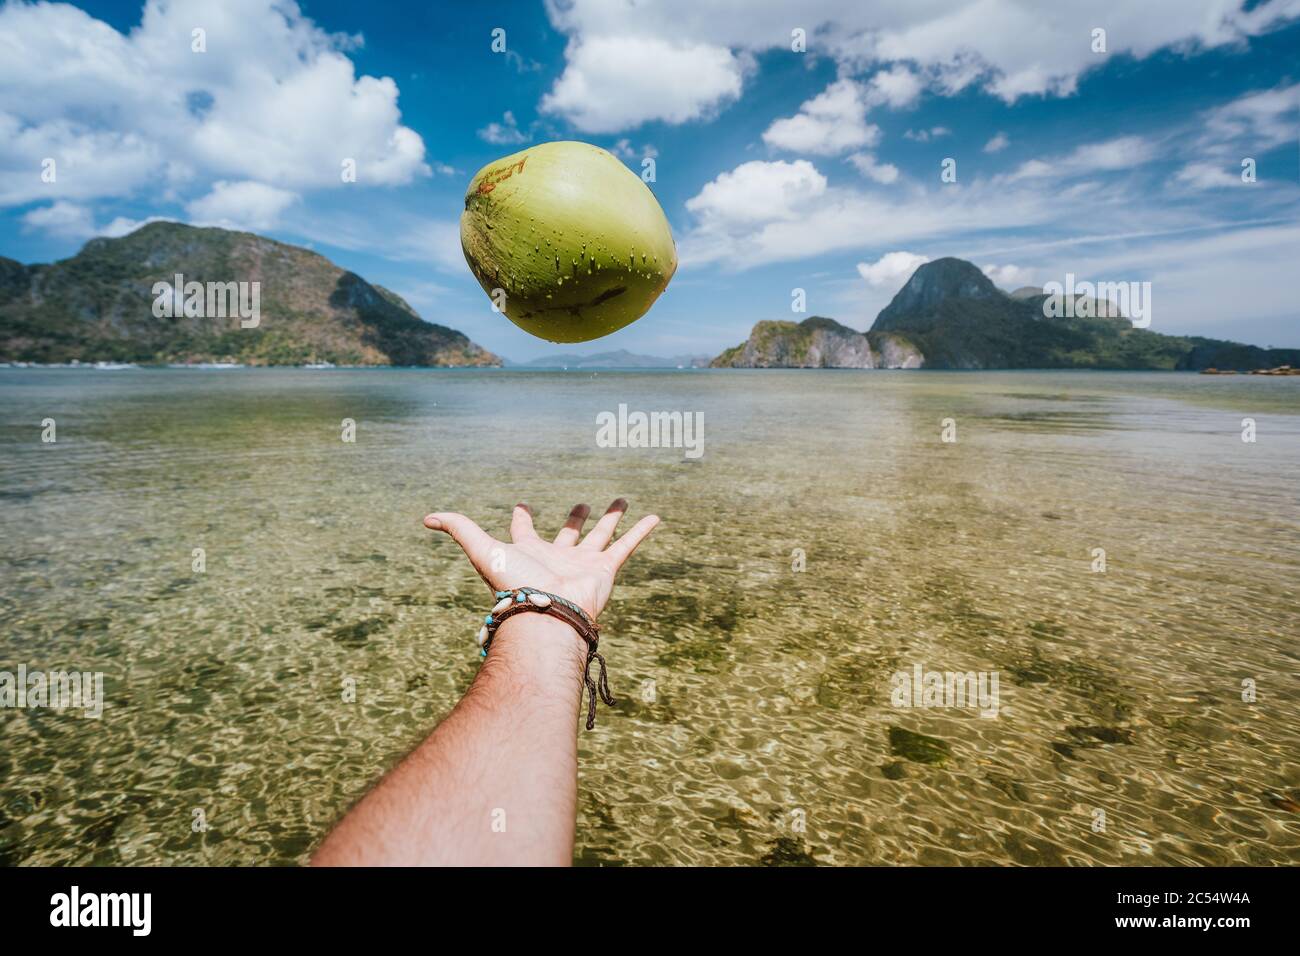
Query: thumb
{"points": [[473, 540]]}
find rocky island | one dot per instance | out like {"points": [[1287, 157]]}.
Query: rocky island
{"points": [[950, 315], [819, 342]]}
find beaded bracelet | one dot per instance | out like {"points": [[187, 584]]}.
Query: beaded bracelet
{"points": [[520, 600]]}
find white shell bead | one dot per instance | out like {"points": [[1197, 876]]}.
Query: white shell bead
{"points": [[482, 635], [539, 600], [502, 605]]}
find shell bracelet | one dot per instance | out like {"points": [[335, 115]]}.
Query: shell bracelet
{"points": [[522, 600]]}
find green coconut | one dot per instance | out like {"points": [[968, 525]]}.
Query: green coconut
{"points": [[567, 241]]}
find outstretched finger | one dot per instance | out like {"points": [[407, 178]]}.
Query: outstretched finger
{"points": [[568, 535], [521, 524], [622, 549], [599, 536], [473, 540]]}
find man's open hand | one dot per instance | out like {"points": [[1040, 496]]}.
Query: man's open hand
{"points": [[582, 571]]}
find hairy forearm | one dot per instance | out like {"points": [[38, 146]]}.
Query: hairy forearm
{"points": [[496, 782]]}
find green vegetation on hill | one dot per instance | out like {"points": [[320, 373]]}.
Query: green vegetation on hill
{"points": [[1216, 353], [788, 342], [98, 305], [1009, 333], [817, 342], [950, 315]]}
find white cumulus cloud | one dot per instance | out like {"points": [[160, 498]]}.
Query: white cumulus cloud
{"points": [[63, 219], [891, 270], [69, 220], [831, 122], [897, 87], [241, 205], [274, 100], [868, 166], [612, 83], [622, 58], [759, 213], [1009, 277], [506, 132], [759, 192]]}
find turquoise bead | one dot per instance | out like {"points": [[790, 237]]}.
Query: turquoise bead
{"points": [[521, 597], [488, 619]]}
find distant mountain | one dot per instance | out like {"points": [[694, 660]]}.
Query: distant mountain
{"points": [[935, 283], [959, 319], [99, 305], [818, 342], [951, 315], [620, 358]]}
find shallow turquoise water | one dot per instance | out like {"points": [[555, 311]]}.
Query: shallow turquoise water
{"points": [[769, 735]]}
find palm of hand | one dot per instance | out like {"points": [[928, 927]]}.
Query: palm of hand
{"points": [[581, 571]]}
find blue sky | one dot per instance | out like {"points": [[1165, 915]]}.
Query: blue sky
{"points": [[818, 170]]}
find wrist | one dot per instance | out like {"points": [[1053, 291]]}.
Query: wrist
{"points": [[538, 644], [536, 653]]}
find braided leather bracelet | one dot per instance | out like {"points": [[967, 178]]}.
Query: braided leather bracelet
{"points": [[530, 599]]}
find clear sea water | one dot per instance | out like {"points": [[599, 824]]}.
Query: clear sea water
{"points": [[756, 722]]}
